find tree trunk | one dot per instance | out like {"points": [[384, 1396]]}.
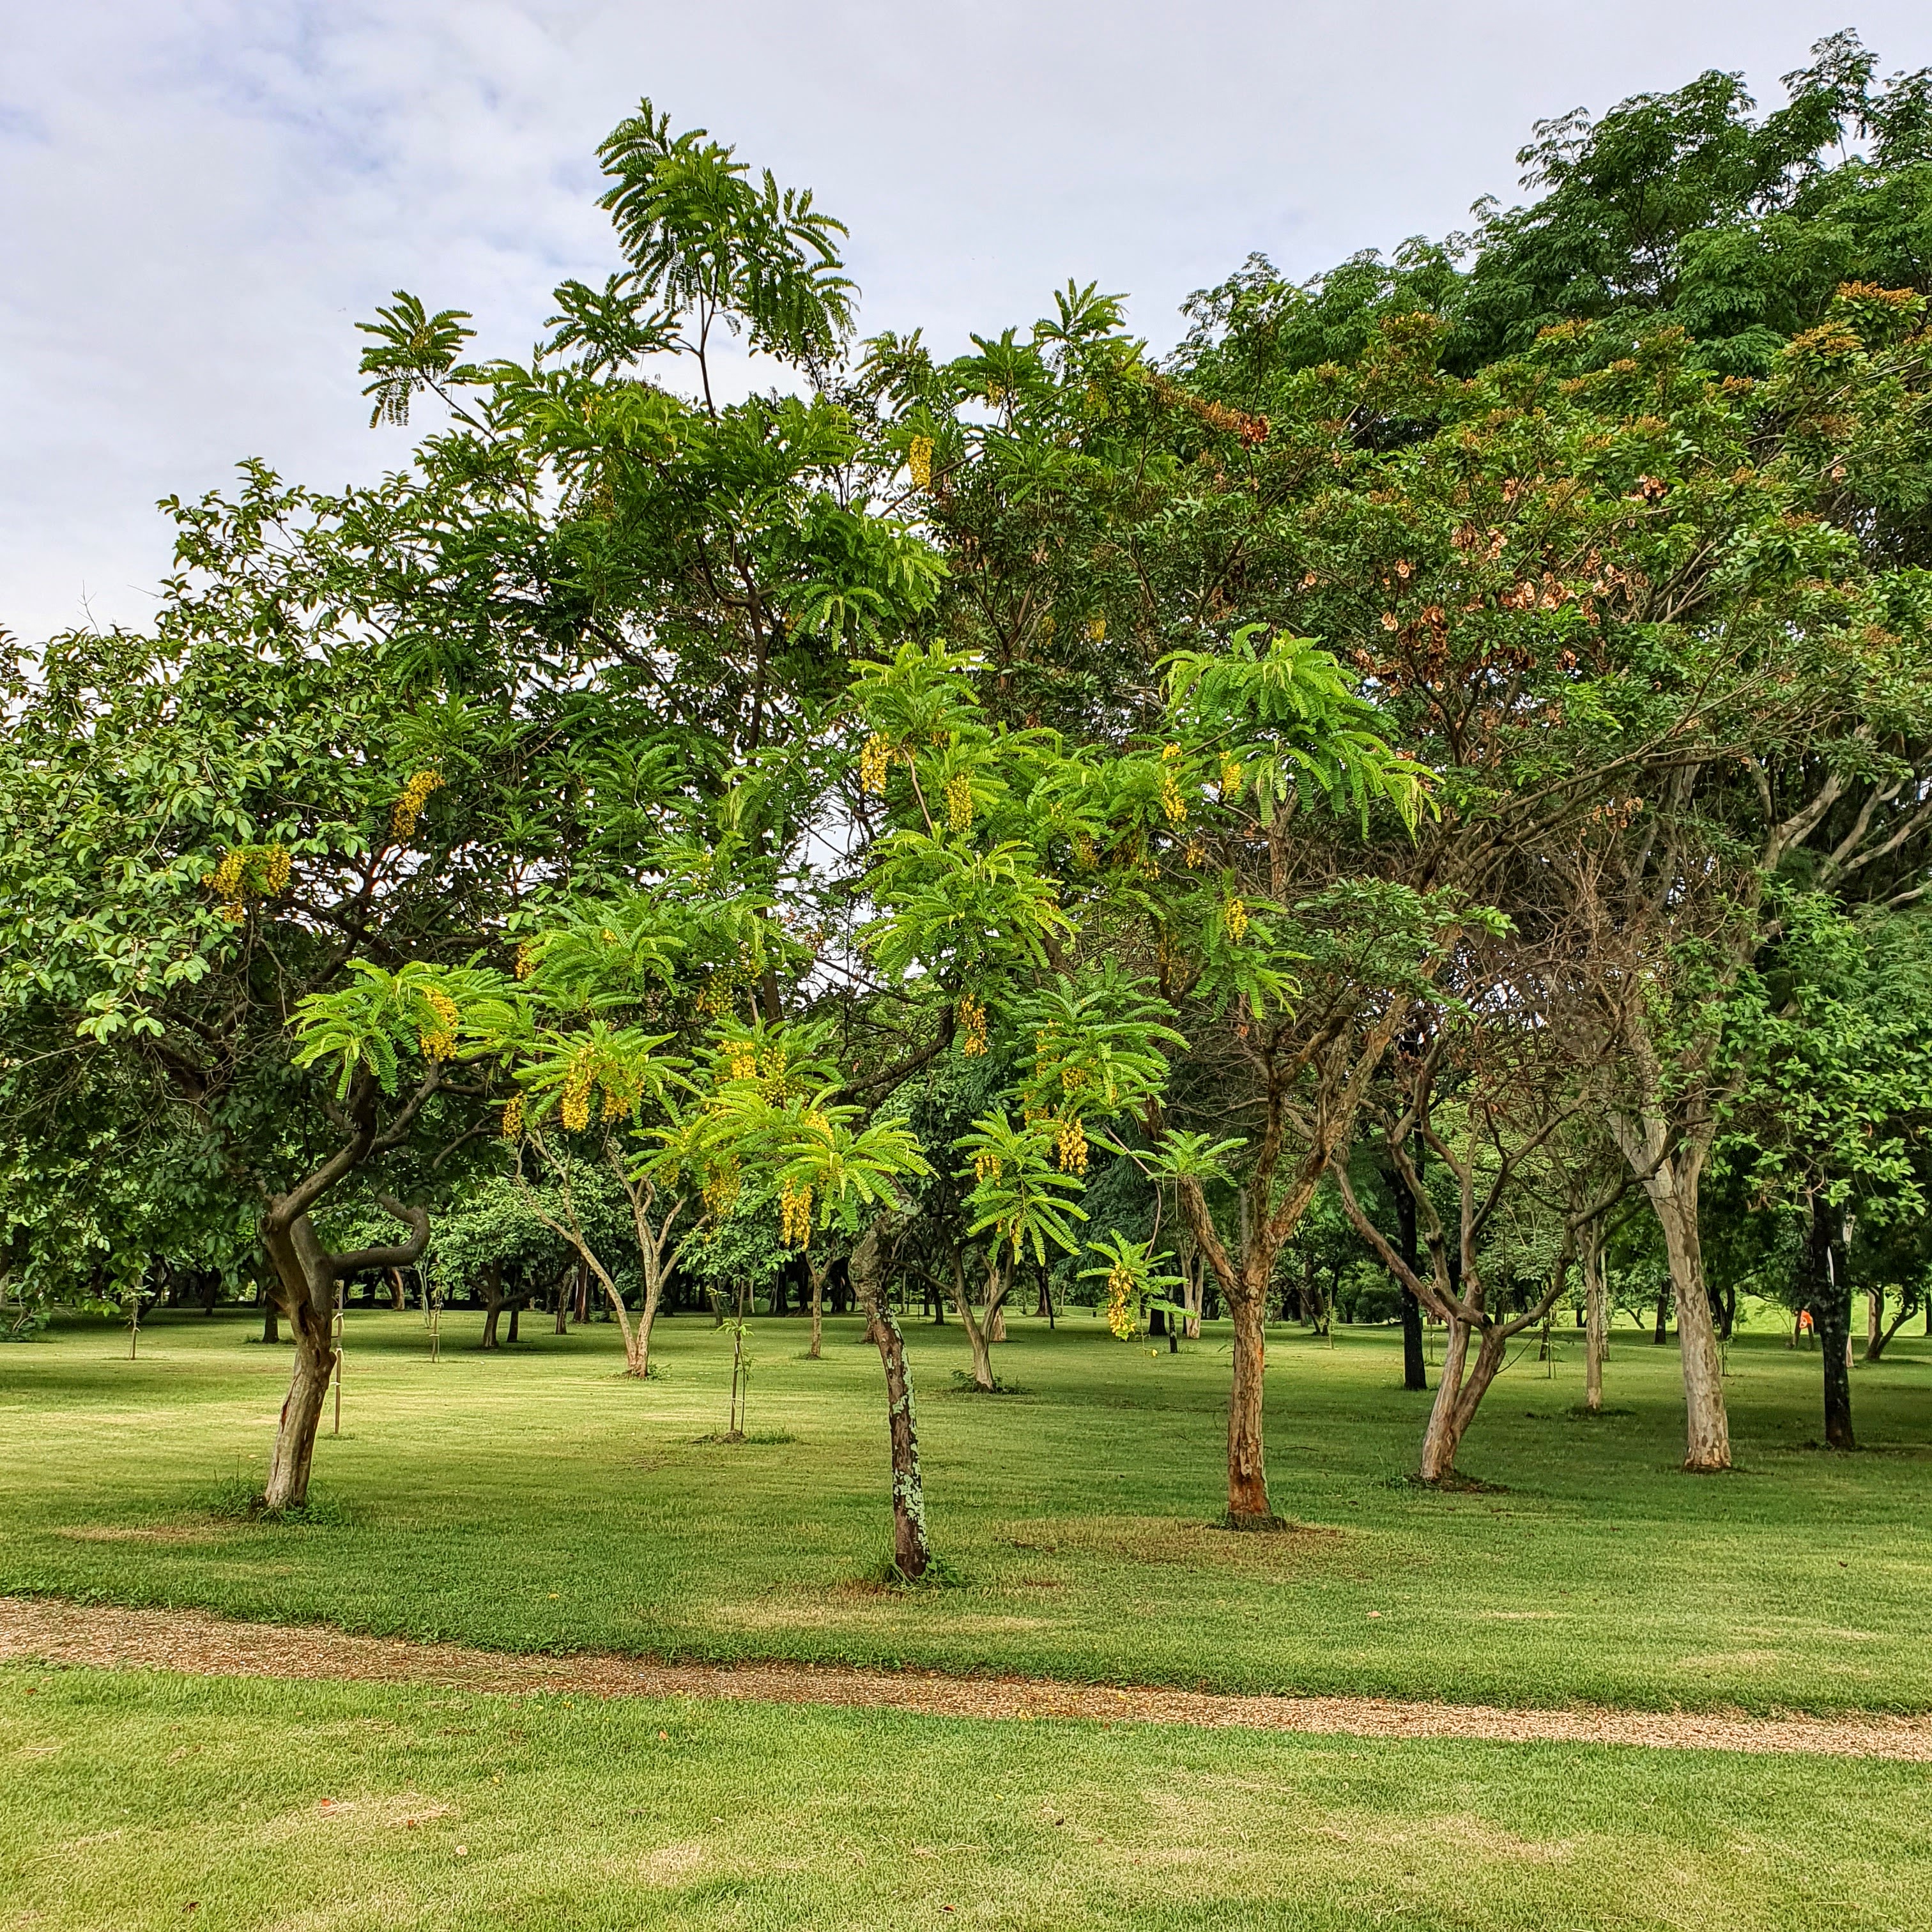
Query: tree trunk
{"points": [[1662, 1333], [911, 1553], [1248, 1504], [493, 1303], [307, 1274], [1457, 1399], [398, 1299], [1594, 1328], [1707, 1427], [271, 1330], [1875, 1334], [1875, 1349], [817, 1311], [1830, 1297], [979, 1333], [1414, 1367]]}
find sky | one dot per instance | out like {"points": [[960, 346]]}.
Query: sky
{"points": [[199, 199]]}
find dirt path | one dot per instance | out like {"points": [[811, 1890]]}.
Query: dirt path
{"points": [[36, 1629]]}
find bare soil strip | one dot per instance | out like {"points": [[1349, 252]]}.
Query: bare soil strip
{"points": [[40, 1630]]}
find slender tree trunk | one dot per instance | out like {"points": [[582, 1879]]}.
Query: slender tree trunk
{"points": [[1875, 1334], [1248, 1504], [270, 1326], [1595, 1333], [398, 1299], [1831, 1295], [1414, 1367], [818, 1311], [912, 1554], [1662, 1331]]}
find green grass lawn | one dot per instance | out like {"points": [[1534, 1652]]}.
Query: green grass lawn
{"points": [[131, 1800], [534, 1498]]}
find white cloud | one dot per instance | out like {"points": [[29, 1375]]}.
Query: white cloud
{"points": [[198, 201]]}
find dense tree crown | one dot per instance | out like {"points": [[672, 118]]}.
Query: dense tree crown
{"points": [[1430, 777]]}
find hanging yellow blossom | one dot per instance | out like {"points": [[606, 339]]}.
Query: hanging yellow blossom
{"points": [[526, 960], [874, 761], [986, 1165], [437, 1036], [918, 462], [741, 1059], [972, 1026], [513, 1117], [1096, 630], [1238, 919], [577, 1092], [1194, 854], [1072, 1138], [1172, 802], [1230, 777], [1083, 849], [1120, 1303], [959, 802], [795, 1214], [409, 807], [721, 1188]]}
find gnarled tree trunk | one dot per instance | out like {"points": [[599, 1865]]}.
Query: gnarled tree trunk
{"points": [[980, 1335]]}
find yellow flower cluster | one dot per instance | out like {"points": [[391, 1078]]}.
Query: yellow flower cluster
{"points": [[1083, 849], [873, 762], [1096, 630], [986, 1165], [972, 1026], [409, 807], [1172, 802], [1193, 855], [795, 1214], [1119, 1303], [437, 1036], [513, 1117], [959, 802], [577, 1085], [1071, 1140], [721, 1188], [918, 462], [1238, 919], [741, 1059], [526, 960], [246, 872], [1231, 776]]}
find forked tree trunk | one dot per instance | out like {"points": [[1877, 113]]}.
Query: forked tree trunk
{"points": [[1876, 1347], [307, 1274], [1248, 1504], [912, 1554], [1458, 1396], [979, 1333]]}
